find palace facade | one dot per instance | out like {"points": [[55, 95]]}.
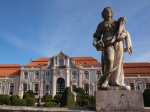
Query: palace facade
{"points": [[53, 75]]}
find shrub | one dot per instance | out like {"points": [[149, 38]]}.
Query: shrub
{"points": [[80, 90], [4, 99], [58, 97], [36, 99], [85, 102], [47, 97], [54, 100], [90, 98], [30, 101], [50, 104], [31, 93], [79, 98], [13, 97], [146, 97], [26, 95], [19, 102], [67, 98]]}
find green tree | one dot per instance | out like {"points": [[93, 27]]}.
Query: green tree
{"points": [[80, 90], [30, 101], [58, 97], [67, 98], [47, 97], [26, 95], [146, 97], [31, 93]]}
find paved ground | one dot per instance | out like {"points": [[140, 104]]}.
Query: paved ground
{"points": [[4, 108]]}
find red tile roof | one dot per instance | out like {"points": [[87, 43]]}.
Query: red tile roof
{"points": [[10, 69], [86, 61], [137, 68], [38, 62], [129, 68]]}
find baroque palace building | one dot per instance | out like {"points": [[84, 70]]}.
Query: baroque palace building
{"points": [[53, 75]]}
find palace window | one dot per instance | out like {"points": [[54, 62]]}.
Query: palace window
{"points": [[24, 88], [11, 89], [86, 75], [36, 75], [36, 89], [98, 74], [47, 75], [61, 62], [74, 75], [147, 85], [86, 88], [139, 85], [25, 75], [73, 88], [132, 86], [47, 89]]}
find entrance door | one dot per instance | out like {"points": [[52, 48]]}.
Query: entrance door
{"points": [[60, 85]]}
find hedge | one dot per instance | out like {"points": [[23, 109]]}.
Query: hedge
{"points": [[19, 102], [50, 104], [4, 99], [13, 97]]}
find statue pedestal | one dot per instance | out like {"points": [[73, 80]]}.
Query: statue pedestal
{"points": [[119, 100]]}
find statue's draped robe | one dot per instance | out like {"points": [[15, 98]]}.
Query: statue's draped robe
{"points": [[113, 52]]}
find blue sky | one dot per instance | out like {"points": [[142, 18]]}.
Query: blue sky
{"points": [[30, 29]]}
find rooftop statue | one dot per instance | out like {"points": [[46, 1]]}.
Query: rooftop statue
{"points": [[109, 38]]}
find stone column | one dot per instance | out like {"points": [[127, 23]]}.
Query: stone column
{"points": [[67, 78], [54, 81], [80, 78]]}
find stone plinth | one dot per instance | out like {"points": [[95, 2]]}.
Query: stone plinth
{"points": [[119, 100]]}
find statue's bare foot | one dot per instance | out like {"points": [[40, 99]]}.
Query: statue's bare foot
{"points": [[105, 84]]}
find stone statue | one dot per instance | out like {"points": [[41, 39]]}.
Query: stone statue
{"points": [[109, 38]]}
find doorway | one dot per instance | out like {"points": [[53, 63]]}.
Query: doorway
{"points": [[60, 86]]}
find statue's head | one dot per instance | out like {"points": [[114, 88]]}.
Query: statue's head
{"points": [[107, 13]]}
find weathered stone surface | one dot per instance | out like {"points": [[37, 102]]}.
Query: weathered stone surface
{"points": [[121, 100]]}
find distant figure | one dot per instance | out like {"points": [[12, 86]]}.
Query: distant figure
{"points": [[109, 38]]}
